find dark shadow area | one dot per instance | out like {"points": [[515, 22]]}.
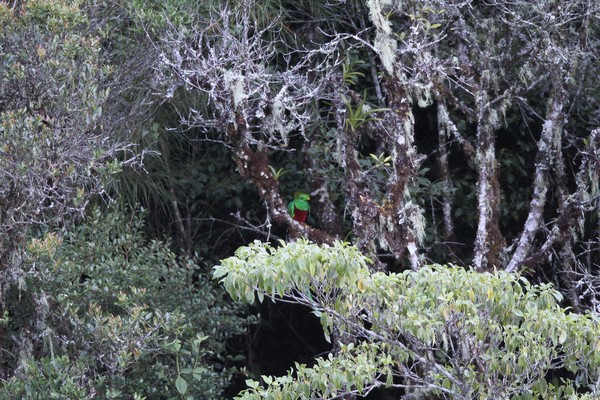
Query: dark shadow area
{"points": [[285, 334]]}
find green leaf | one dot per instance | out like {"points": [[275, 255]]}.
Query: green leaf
{"points": [[181, 385], [518, 312], [198, 373], [252, 384], [562, 338], [219, 271], [249, 294]]}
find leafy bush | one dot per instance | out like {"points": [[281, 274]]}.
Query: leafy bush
{"points": [[118, 316], [439, 332], [51, 100]]}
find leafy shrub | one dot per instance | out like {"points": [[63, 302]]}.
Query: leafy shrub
{"points": [[134, 318], [51, 100], [439, 332]]}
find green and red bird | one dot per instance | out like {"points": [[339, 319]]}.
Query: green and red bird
{"points": [[299, 207]]}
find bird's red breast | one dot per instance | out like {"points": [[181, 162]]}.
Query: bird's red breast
{"points": [[300, 215]]}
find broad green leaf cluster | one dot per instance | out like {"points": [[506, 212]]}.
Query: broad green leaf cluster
{"points": [[441, 331], [352, 370], [269, 271]]}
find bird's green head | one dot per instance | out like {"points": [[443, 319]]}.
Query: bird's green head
{"points": [[301, 196]]}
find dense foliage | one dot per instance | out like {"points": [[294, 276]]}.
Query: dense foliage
{"points": [[440, 332], [51, 99], [423, 131], [117, 316]]}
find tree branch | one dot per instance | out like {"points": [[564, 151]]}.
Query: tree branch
{"points": [[546, 146]]}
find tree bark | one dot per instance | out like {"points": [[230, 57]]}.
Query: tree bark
{"points": [[404, 223], [443, 119], [488, 240], [395, 224], [540, 182], [363, 209]]}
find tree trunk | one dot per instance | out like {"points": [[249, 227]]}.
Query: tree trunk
{"points": [[443, 118], [405, 225], [488, 240], [363, 209], [543, 160]]}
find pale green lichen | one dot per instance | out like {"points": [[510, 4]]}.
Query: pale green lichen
{"points": [[384, 43], [416, 220], [235, 82]]}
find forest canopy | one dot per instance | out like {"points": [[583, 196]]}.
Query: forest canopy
{"points": [[143, 143]]}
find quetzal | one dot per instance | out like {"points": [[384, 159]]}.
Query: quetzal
{"points": [[299, 207]]}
